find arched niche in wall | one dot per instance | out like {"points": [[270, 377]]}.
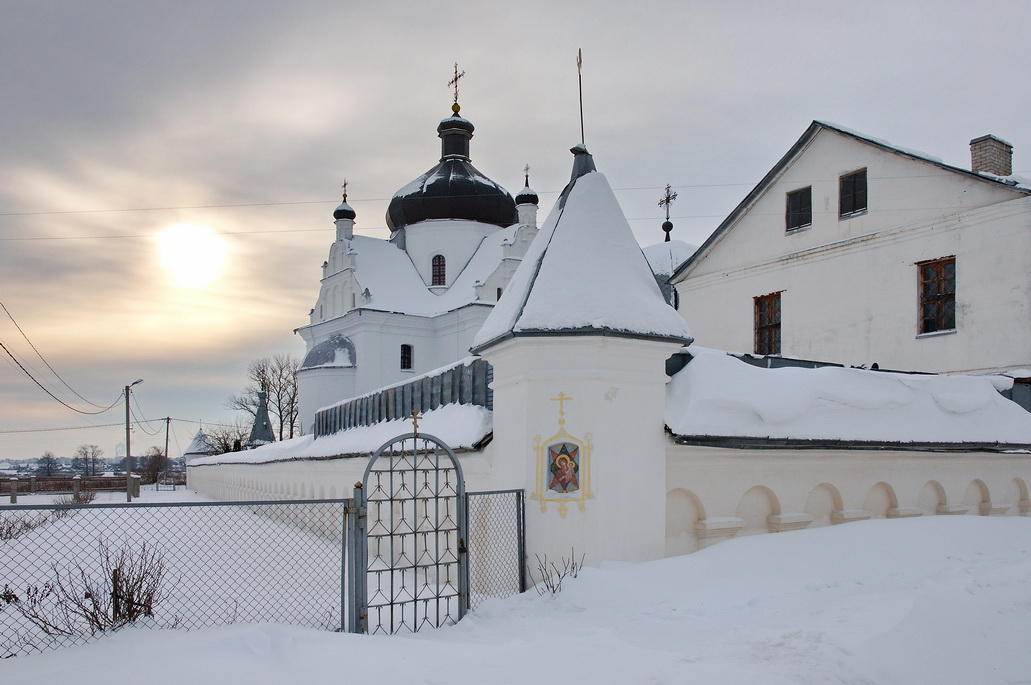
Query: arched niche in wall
{"points": [[879, 499], [932, 497], [1018, 495], [755, 508], [823, 500], [976, 495], [683, 510]]}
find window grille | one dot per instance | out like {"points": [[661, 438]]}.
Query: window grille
{"points": [[800, 209], [767, 324], [406, 357], [439, 270], [937, 295]]}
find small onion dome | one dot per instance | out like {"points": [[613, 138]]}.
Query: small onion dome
{"points": [[454, 189], [667, 226], [526, 196], [344, 211]]}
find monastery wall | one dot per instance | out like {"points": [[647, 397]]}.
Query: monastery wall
{"points": [[713, 493]]}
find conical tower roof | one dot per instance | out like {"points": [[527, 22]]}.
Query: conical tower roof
{"points": [[584, 274]]}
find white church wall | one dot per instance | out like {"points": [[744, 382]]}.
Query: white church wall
{"points": [[456, 240], [321, 386], [714, 493]]}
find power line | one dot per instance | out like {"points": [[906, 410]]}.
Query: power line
{"points": [[38, 354], [55, 397], [99, 425]]}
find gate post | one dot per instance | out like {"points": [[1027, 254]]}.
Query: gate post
{"points": [[357, 560]]}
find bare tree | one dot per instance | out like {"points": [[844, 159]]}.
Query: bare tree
{"points": [[154, 462], [227, 437], [46, 465], [276, 376], [86, 459]]}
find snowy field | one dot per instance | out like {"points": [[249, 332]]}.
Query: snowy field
{"points": [[934, 600]]}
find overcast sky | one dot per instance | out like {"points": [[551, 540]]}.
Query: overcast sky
{"points": [[120, 120]]}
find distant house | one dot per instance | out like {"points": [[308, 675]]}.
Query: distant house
{"points": [[855, 251]]}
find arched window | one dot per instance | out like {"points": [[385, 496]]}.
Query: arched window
{"points": [[406, 357], [499, 295], [439, 270]]}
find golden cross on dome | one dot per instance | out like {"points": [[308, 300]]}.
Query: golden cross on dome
{"points": [[415, 421], [454, 82], [344, 186], [526, 172], [561, 399], [667, 200]]}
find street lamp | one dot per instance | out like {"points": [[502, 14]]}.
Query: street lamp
{"points": [[128, 454]]}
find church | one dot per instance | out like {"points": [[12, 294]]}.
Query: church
{"points": [[630, 441]]}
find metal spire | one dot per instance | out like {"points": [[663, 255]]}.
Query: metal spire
{"points": [[454, 83], [667, 199]]}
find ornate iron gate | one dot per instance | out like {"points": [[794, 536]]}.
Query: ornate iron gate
{"points": [[409, 557]]}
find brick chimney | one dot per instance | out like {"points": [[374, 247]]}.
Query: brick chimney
{"points": [[991, 155]]}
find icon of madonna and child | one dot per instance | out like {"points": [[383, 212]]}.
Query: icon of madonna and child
{"points": [[563, 459]]}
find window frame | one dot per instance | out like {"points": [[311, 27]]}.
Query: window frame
{"points": [[767, 335], [852, 194], [802, 213], [942, 299], [438, 270], [407, 357]]}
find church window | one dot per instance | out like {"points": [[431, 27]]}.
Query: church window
{"points": [[767, 324], [439, 270], [499, 295], [406, 357], [937, 295], [852, 194], [800, 208]]}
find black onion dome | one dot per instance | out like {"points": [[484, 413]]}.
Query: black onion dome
{"points": [[344, 211], [454, 189], [526, 196]]}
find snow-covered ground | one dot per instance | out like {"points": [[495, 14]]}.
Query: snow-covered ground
{"points": [[935, 600]]}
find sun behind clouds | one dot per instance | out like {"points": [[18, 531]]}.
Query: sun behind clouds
{"points": [[192, 254]]}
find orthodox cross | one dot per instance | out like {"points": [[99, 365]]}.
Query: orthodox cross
{"points": [[454, 82], [344, 186], [667, 200], [561, 399], [580, 81], [526, 173], [415, 422]]}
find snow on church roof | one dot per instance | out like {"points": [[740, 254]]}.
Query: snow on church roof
{"points": [[394, 285], [720, 396], [583, 272], [664, 258]]}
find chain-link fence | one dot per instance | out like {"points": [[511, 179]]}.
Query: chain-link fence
{"points": [[497, 554], [71, 572]]}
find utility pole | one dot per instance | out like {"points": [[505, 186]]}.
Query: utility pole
{"points": [[128, 452], [168, 462]]}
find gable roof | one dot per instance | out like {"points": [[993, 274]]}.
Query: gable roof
{"points": [[583, 274], [796, 150]]}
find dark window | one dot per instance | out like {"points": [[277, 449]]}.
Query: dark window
{"points": [[938, 295], [767, 324], [852, 193], [499, 295], [800, 208], [439, 270], [406, 356]]}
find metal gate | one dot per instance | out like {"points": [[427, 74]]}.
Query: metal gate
{"points": [[409, 553]]}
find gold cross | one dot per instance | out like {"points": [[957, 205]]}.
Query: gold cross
{"points": [[345, 189], [667, 200], [454, 81], [561, 399], [415, 422]]}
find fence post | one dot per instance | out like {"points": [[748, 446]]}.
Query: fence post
{"points": [[136, 485], [357, 563], [76, 488], [14, 491], [32, 485]]}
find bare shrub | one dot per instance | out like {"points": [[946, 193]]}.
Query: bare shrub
{"points": [[15, 525], [85, 496], [79, 601], [552, 576]]}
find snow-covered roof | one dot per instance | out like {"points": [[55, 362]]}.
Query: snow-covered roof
{"points": [[664, 258], [583, 272], [460, 426], [720, 396], [201, 444], [394, 284]]}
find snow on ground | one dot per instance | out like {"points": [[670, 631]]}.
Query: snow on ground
{"points": [[933, 601], [716, 394]]}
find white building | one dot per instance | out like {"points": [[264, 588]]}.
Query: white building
{"points": [[855, 251], [389, 310]]}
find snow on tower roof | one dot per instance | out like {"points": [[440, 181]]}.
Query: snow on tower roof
{"points": [[201, 444], [584, 273]]}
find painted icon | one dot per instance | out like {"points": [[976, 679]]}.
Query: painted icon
{"points": [[564, 465]]}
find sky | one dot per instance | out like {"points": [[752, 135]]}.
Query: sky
{"points": [[169, 170]]}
